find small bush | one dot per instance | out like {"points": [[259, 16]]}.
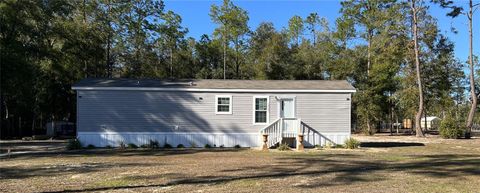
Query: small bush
{"points": [[41, 137], [122, 145], [283, 147], [74, 144], [132, 146], [109, 147], [167, 146], [329, 145], [450, 128], [352, 143], [193, 145], [180, 146], [237, 146], [153, 144], [208, 146], [318, 146], [90, 146], [222, 146]]}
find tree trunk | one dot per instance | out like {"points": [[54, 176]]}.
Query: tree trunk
{"points": [[107, 59], [224, 57], [171, 63], [473, 107], [418, 117]]}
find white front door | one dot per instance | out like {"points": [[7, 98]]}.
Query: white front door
{"points": [[287, 112], [287, 108]]}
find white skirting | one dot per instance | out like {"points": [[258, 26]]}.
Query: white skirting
{"points": [[102, 139]]}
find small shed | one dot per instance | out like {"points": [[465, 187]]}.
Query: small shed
{"points": [[432, 122]]}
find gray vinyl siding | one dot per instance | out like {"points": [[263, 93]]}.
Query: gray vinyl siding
{"points": [[156, 111]]}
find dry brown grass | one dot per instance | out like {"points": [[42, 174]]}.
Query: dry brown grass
{"points": [[437, 166]]}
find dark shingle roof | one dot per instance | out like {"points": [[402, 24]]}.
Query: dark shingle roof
{"points": [[218, 84]]}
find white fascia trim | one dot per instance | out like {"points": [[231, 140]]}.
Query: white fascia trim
{"points": [[214, 90], [161, 133]]}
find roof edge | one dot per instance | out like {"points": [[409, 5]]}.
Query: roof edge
{"points": [[213, 89]]}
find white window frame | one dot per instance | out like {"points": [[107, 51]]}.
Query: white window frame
{"points": [[268, 110], [230, 105]]}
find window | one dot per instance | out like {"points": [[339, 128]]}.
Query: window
{"points": [[223, 104], [260, 110]]}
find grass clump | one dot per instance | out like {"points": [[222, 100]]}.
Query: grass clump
{"points": [[180, 146], [352, 143], [283, 147], [74, 144], [167, 146], [153, 144], [132, 146], [450, 128], [208, 146], [237, 146], [90, 146], [122, 145], [193, 145]]}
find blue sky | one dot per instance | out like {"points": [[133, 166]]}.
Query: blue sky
{"points": [[195, 17]]}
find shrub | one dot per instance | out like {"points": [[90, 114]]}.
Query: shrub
{"points": [[167, 146], [222, 146], [193, 144], [132, 146], [329, 145], [283, 147], [41, 137], [153, 144], [450, 128], [207, 146], [180, 146], [237, 146], [352, 143], [122, 145], [109, 147], [318, 146], [90, 146], [74, 144], [144, 146]]}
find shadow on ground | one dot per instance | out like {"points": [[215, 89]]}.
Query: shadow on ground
{"points": [[390, 144], [339, 169]]}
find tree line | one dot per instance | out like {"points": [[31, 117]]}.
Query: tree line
{"points": [[392, 51]]}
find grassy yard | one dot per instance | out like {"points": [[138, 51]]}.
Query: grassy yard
{"points": [[422, 165]]}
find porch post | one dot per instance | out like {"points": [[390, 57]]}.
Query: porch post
{"points": [[300, 146], [265, 140]]}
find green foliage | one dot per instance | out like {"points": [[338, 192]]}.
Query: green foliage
{"points": [[451, 128], [318, 146], [90, 146], [167, 146], [237, 146], [144, 146], [132, 146], [352, 143], [283, 147], [208, 146], [108, 147], [180, 146], [153, 144], [122, 145], [193, 145], [74, 144]]}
